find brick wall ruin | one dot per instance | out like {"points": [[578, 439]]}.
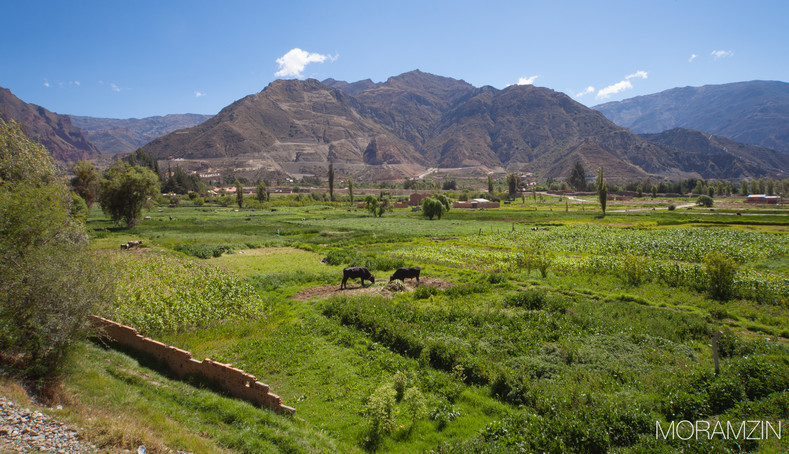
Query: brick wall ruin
{"points": [[235, 381]]}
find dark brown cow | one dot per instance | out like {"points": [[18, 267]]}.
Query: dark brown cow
{"points": [[356, 272], [406, 273]]}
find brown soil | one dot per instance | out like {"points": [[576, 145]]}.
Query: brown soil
{"points": [[325, 291]]}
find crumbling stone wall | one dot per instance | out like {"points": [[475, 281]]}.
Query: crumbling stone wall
{"points": [[235, 381]]}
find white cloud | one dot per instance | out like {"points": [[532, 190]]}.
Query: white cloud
{"points": [[637, 75], [722, 54], [614, 89], [46, 83], [692, 57], [76, 82], [527, 80], [294, 62], [199, 94], [588, 90], [621, 85]]}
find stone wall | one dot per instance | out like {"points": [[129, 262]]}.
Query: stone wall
{"points": [[235, 381]]}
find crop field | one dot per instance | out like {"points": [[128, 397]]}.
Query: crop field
{"points": [[537, 327]]}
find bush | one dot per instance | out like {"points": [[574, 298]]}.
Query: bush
{"points": [[531, 299], [380, 413], [424, 292], [704, 200], [720, 271], [672, 207], [399, 382], [202, 251]]}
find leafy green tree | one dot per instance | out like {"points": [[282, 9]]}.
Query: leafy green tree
{"points": [[490, 184], [704, 200], [49, 285], [261, 192], [85, 181], [350, 189], [432, 208], [744, 187], [512, 184], [383, 206], [444, 201], [577, 177], [602, 189], [239, 194], [331, 181], [125, 189], [371, 205]]}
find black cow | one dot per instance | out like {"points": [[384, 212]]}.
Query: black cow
{"points": [[354, 272], [406, 273]]}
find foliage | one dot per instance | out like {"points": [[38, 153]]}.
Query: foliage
{"points": [[704, 200], [331, 181], [602, 189], [371, 205], [261, 192], [380, 413], [443, 414], [49, 284], [415, 404], [512, 184], [350, 190], [239, 194], [577, 177], [86, 181], [399, 383], [432, 208], [125, 189], [720, 275], [202, 251]]}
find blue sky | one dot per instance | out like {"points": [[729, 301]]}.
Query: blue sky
{"points": [[143, 58]]}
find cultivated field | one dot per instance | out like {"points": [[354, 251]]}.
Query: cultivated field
{"points": [[539, 326]]}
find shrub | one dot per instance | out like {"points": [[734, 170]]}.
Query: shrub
{"points": [[720, 271], [672, 207], [415, 404], [424, 292], [399, 382], [380, 413], [531, 299], [704, 200]]}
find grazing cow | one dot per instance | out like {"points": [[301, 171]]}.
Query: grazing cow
{"points": [[354, 272], [406, 273]]}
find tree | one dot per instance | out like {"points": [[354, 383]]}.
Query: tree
{"points": [[744, 187], [432, 208], [490, 184], [371, 205], [331, 181], [239, 193], [704, 200], [578, 177], [444, 201], [350, 190], [512, 184], [86, 181], [49, 285], [125, 189], [602, 189], [383, 207], [260, 191]]}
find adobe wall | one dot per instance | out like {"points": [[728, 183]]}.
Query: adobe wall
{"points": [[235, 381]]}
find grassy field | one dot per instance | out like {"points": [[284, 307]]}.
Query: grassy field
{"points": [[540, 326]]}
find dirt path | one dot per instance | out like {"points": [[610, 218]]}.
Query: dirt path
{"points": [[379, 288]]}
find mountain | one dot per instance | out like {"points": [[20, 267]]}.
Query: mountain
{"points": [[291, 127], [755, 113], [115, 136], [64, 141], [708, 154], [409, 123]]}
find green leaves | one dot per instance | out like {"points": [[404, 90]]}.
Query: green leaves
{"points": [[124, 190]]}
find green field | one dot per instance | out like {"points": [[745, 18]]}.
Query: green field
{"points": [[538, 327]]}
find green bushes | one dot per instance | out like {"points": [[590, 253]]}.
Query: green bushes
{"points": [[720, 275], [203, 251]]}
